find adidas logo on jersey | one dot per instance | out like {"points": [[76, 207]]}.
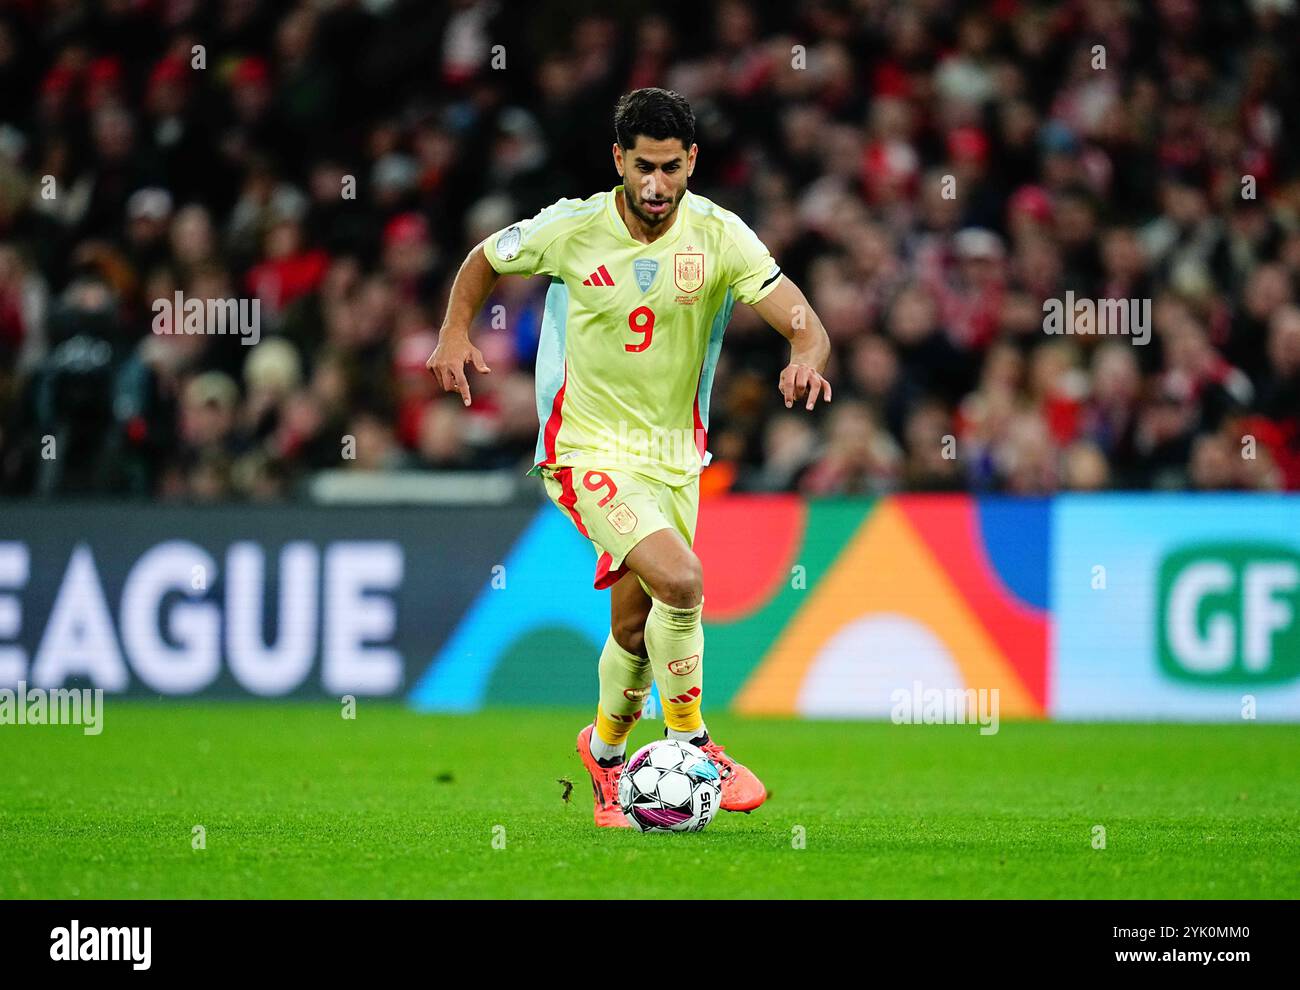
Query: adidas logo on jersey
{"points": [[599, 277]]}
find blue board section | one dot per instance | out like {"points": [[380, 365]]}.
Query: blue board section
{"points": [[549, 572], [1111, 608], [1017, 539]]}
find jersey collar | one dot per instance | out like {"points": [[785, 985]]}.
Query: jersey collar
{"points": [[622, 233]]}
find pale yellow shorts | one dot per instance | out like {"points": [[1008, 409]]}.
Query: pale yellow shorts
{"points": [[617, 509]]}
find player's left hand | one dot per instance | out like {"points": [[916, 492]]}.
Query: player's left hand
{"points": [[803, 380]]}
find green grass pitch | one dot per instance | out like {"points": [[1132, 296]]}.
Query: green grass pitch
{"points": [[297, 802]]}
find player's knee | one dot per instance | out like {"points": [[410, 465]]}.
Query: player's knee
{"points": [[684, 587]]}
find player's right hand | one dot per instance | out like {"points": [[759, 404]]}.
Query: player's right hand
{"points": [[448, 360]]}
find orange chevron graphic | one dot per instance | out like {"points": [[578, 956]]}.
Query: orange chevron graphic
{"points": [[887, 569]]}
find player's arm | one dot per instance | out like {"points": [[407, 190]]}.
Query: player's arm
{"points": [[469, 291], [787, 311], [515, 250]]}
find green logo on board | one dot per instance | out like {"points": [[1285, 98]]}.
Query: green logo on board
{"points": [[1229, 613]]}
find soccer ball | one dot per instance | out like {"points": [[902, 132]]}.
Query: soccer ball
{"points": [[670, 786]]}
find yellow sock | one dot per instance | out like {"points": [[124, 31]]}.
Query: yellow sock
{"points": [[624, 685], [674, 638]]}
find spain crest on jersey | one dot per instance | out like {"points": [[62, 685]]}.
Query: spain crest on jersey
{"points": [[688, 271]]}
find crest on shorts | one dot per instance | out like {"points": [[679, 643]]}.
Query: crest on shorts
{"points": [[622, 519], [688, 271], [645, 270]]}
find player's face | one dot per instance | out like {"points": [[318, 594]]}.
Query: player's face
{"points": [[654, 176]]}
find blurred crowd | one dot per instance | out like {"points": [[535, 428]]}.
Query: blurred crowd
{"points": [[929, 172]]}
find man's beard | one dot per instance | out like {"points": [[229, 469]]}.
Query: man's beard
{"points": [[650, 219]]}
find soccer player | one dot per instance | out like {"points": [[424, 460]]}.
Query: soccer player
{"points": [[643, 280]]}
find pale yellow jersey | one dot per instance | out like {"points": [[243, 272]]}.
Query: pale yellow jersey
{"points": [[631, 332]]}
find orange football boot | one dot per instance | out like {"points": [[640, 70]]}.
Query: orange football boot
{"points": [[604, 783], [741, 790]]}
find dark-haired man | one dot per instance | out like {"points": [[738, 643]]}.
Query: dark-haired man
{"points": [[643, 281]]}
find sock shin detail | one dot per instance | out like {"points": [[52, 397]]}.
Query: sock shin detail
{"points": [[675, 641], [624, 686]]}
